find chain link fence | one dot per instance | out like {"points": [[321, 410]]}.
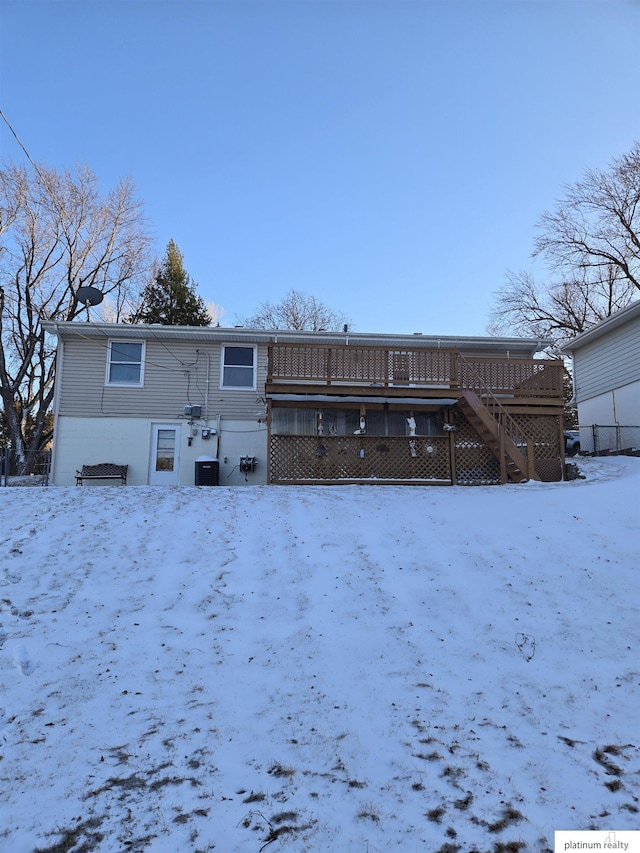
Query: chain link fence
{"points": [[9, 469], [599, 439]]}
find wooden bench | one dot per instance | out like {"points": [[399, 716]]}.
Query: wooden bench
{"points": [[104, 471]]}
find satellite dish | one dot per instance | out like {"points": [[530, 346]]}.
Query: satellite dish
{"points": [[89, 296]]}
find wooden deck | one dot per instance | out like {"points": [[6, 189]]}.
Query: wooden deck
{"points": [[385, 372], [502, 418]]}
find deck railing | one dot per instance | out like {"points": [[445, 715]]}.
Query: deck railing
{"points": [[527, 377], [342, 364]]}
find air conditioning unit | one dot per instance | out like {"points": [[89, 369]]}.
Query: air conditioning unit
{"points": [[207, 471]]}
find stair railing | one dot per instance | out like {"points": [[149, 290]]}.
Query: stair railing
{"points": [[506, 423]]}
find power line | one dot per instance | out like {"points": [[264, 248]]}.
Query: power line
{"points": [[22, 145], [65, 218], [58, 205]]}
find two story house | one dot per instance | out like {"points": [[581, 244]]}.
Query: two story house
{"points": [[304, 407]]}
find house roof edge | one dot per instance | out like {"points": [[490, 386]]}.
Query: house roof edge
{"points": [[235, 334], [625, 315]]}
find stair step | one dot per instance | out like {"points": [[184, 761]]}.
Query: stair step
{"points": [[494, 435]]}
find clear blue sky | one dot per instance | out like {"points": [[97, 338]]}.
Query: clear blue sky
{"points": [[391, 158]]}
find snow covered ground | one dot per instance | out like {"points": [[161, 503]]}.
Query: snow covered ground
{"points": [[319, 669]]}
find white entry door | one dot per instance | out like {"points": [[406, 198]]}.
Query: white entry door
{"points": [[165, 453]]}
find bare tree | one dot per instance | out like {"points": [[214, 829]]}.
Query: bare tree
{"points": [[591, 244], [216, 312], [58, 232], [558, 311], [596, 226], [297, 311]]}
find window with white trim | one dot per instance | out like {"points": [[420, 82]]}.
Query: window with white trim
{"points": [[125, 363], [238, 367]]}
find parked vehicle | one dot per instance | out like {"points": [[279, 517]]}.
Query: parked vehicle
{"points": [[571, 442]]}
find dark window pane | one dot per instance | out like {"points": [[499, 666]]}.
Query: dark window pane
{"points": [[238, 356], [238, 377], [126, 352], [125, 373]]}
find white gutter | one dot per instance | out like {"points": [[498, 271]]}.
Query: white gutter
{"points": [[602, 328], [260, 336]]}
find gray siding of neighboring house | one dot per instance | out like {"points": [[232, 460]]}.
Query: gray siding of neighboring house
{"points": [[609, 362], [175, 374]]}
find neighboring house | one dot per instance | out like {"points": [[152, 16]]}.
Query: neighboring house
{"points": [[606, 380], [303, 407]]}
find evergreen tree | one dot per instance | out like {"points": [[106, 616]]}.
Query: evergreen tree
{"points": [[171, 298]]}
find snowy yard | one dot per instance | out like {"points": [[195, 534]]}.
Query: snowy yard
{"points": [[319, 669]]}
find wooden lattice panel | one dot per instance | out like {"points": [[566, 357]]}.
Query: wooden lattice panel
{"points": [[526, 377], [475, 463], [357, 364], [296, 458], [311, 458], [299, 362], [544, 432]]}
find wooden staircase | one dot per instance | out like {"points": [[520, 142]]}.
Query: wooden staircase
{"points": [[505, 443]]}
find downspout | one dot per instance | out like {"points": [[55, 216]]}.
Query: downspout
{"points": [[206, 390], [56, 401], [206, 408]]}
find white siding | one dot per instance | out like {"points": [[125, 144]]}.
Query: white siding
{"points": [[610, 361], [89, 441], [619, 407], [239, 438], [127, 441]]}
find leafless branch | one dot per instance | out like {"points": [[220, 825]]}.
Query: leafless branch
{"points": [[58, 231], [298, 311]]}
